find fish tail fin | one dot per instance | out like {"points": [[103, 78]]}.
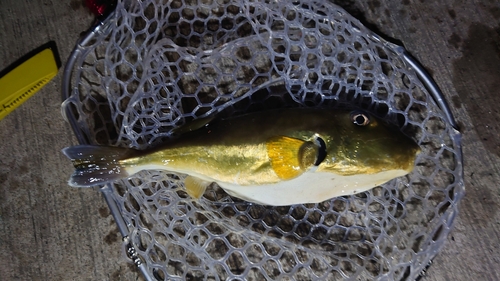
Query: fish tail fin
{"points": [[97, 165]]}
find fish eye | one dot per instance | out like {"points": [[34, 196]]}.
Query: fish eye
{"points": [[359, 118]]}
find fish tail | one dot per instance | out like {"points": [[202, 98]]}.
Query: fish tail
{"points": [[97, 165]]}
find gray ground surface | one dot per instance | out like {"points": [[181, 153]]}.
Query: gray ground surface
{"points": [[49, 231]]}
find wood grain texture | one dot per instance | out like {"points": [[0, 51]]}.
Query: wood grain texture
{"points": [[49, 231]]}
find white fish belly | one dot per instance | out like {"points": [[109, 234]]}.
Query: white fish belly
{"points": [[310, 187]]}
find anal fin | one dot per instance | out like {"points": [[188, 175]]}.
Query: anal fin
{"points": [[195, 187]]}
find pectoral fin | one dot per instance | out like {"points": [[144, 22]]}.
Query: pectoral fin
{"points": [[290, 157], [195, 187]]}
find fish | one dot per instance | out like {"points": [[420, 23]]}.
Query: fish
{"points": [[276, 157]]}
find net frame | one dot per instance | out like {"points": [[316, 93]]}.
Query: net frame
{"points": [[363, 245]]}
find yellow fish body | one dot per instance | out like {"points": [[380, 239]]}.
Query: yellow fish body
{"points": [[280, 157]]}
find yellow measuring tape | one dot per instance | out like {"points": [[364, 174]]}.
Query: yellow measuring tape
{"points": [[26, 76]]}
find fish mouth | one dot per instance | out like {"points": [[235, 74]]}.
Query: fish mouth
{"points": [[411, 164], [408, 162]]}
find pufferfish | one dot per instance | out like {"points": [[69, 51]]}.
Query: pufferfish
{"points": [[279, 157]]}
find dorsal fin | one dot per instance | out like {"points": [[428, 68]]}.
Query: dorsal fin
{"points": [[193, 125], [290, 157]]}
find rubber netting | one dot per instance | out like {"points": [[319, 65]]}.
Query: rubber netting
{"points": [[159, 64]]}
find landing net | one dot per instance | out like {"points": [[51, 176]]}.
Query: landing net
{"points": [[152, 66]]}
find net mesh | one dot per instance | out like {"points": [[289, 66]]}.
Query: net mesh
{"points": [[159, 64]]}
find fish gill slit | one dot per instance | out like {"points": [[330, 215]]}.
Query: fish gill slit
{"points": [[321, 151]]}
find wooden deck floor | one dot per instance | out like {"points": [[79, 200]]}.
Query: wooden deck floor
{"points": [[49, 231]]}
